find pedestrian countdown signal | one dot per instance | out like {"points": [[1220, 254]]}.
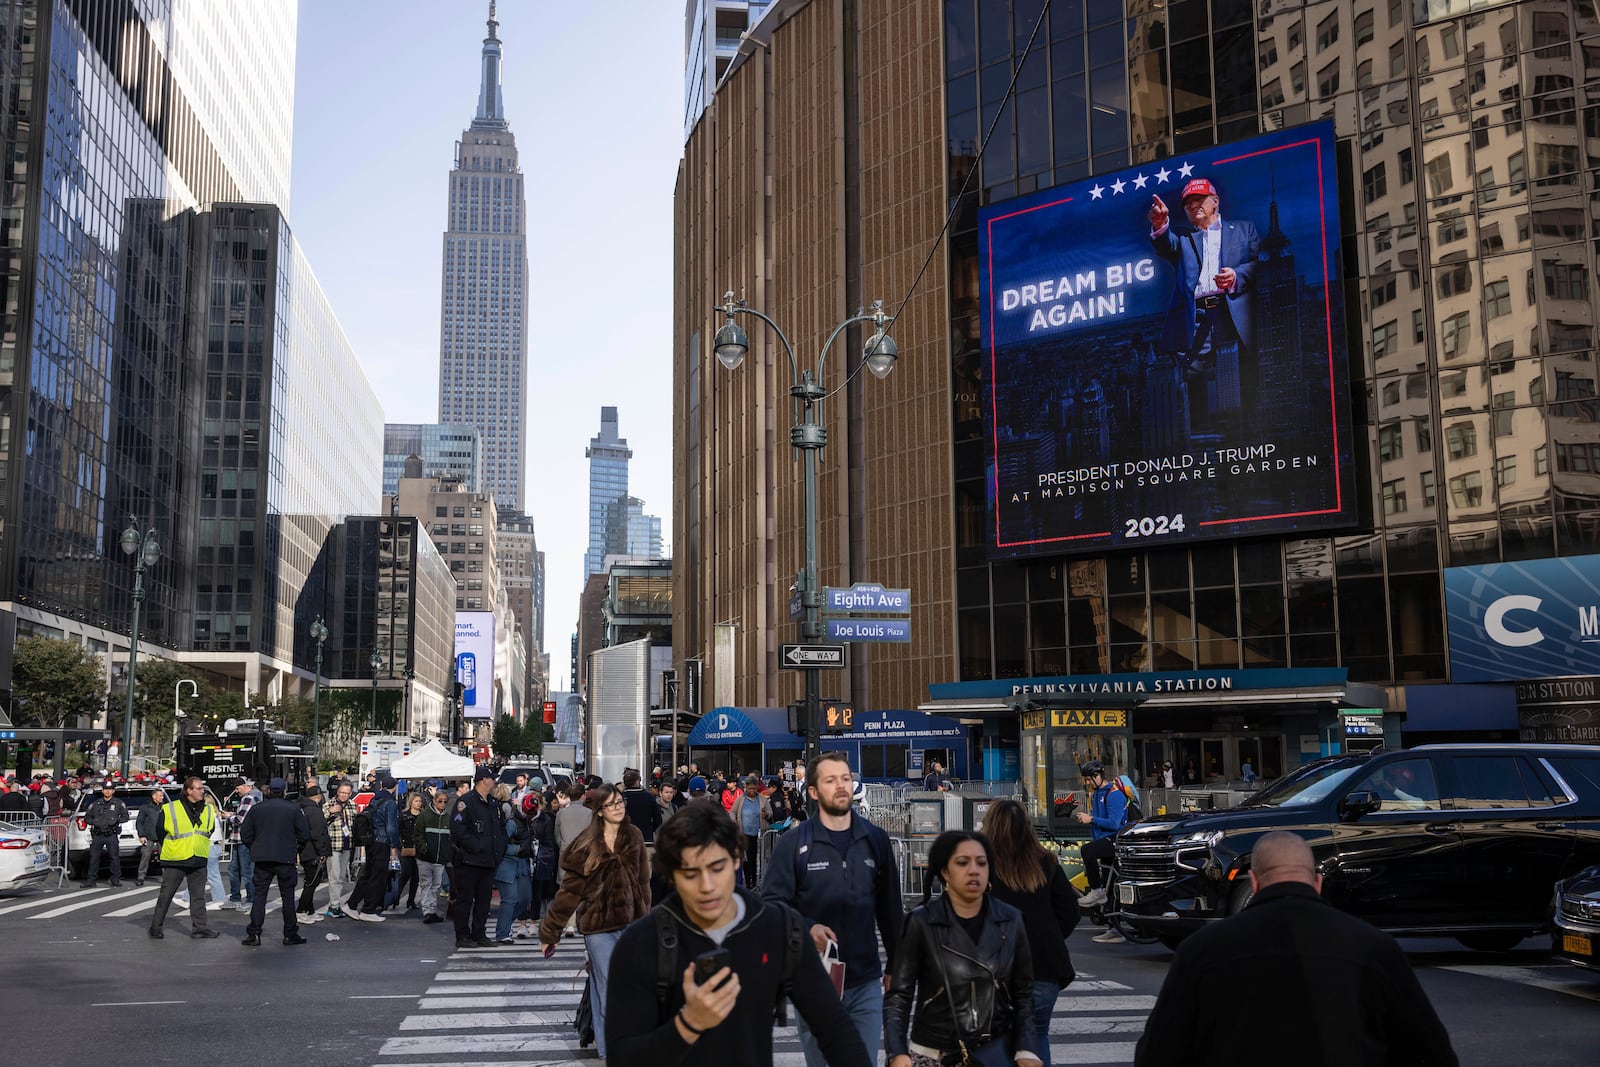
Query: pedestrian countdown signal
{"points": [[838, 718]]}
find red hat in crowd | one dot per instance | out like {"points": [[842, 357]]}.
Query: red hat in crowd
{"points": [[1198, 187]]}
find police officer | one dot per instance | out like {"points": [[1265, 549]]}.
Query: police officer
{"points": [[478, 837], [105, 817], [275, 831]]}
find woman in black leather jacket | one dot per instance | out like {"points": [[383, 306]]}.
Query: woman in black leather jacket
{"points": [[964, 961]]}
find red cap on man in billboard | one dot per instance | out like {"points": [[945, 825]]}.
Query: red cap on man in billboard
{"points": [[1198, 187]]}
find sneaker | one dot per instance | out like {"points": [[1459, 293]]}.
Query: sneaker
{"points": [[215, 905], [307, 917], [433, 919], [1092, 899], [181, 905], [334, 913], [1110, 937], [366, 916]]}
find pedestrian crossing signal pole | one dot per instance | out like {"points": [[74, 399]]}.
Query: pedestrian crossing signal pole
{"points": [[808, 436]]}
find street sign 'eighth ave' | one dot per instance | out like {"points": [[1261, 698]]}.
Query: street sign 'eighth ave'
{"points": [[794, 657], [866, 596]]}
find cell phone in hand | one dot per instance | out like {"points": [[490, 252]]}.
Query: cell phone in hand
{"points": [[549, 950], [709, 963]]}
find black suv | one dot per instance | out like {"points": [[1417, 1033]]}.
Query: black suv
{"points": [[1458, 840]]}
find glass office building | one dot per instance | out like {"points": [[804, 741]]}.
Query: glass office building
{"points": [[608, 456], [167, 353], [446, 451], [120, 120]]}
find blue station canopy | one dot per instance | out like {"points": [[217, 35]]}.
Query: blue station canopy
{"points": [[725, 726]]}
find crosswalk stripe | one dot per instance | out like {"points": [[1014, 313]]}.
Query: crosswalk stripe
{"points": [[27, 905], [483, 1020], [1075, 1027], [1093, 1052], [575, 985], [535, 1000], [91, 899], [1114, 1003], [448, 975]]}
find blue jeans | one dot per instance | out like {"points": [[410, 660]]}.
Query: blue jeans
{"points": [[1044, 1006], [241, 868], [600, 947], [509, 880], [214, 875], [864, 1004]]}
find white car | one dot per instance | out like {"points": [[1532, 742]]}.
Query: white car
{"points": [[24, 855]]}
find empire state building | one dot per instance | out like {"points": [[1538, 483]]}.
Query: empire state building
{"points": [[483, 337]]}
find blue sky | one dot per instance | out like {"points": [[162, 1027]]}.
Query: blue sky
{"points": [[593, 92]]}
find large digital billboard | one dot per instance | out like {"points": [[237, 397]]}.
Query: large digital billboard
{"points": [[1164, 352], [475, 663]]}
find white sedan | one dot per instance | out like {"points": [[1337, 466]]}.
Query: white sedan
{"points": [[24, 855]]}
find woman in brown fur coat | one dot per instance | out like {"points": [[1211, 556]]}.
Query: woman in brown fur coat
{"points": [[606, 879]]}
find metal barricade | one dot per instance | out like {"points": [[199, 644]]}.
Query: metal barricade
{"points": [[1000, 788], [911, 857], [55, 831]]}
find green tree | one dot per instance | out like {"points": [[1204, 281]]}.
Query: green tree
{"points": [[155, 683], [54, 681], [507, 740]]}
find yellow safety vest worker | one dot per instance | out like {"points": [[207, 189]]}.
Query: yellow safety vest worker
{"points": [[184, 839]]}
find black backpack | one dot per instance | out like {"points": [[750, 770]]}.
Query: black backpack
{"points": [[668, 974], [362, 831]]}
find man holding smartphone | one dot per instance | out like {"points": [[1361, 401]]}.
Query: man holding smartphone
{"points": [[728, 959]]}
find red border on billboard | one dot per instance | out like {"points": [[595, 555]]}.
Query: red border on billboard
{"points": [[994, 414]]}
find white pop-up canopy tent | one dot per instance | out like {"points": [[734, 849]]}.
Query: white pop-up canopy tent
{"points": [[433, 760]]}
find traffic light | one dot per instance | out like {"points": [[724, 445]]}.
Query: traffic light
{"points": [[838, 717], [797, 718]]}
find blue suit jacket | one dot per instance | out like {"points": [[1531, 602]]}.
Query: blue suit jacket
{"points": [[1240, 246]]}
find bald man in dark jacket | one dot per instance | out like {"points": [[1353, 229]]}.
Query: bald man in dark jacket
{"points": [[1294, 979]]}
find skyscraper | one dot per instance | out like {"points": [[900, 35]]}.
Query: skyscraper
{"points": [[483, 340], [608, 457]]}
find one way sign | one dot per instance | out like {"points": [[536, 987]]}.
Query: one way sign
{"points": [[795, 657]]}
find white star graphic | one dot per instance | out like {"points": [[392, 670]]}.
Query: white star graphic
{"points": [[1094, 194], [1139, 181], [1162, 175], [1118, 185], [1186, 170]]}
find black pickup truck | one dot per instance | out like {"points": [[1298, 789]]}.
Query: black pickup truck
{"points": [[1465, 841]]}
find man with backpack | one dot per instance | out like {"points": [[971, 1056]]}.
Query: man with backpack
{"points": [[1111, 807], [377, 830], [827, 869], [677, 974]]}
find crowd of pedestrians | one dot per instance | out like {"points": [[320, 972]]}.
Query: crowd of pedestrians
{"points": [[693, 958]]}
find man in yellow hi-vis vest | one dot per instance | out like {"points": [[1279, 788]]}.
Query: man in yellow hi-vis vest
{"points": [[185, 836]]}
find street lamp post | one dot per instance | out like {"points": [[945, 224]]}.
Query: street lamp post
{"points": [[319, 634], [808, 436], [139, 542], [377, 663]]}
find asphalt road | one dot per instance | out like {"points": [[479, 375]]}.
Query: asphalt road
{"points": [[84, 981]]}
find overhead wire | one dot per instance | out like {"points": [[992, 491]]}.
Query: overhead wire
{"points": [[955, 206]]}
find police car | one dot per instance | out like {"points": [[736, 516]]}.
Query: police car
{"points": [[24, 855]]}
